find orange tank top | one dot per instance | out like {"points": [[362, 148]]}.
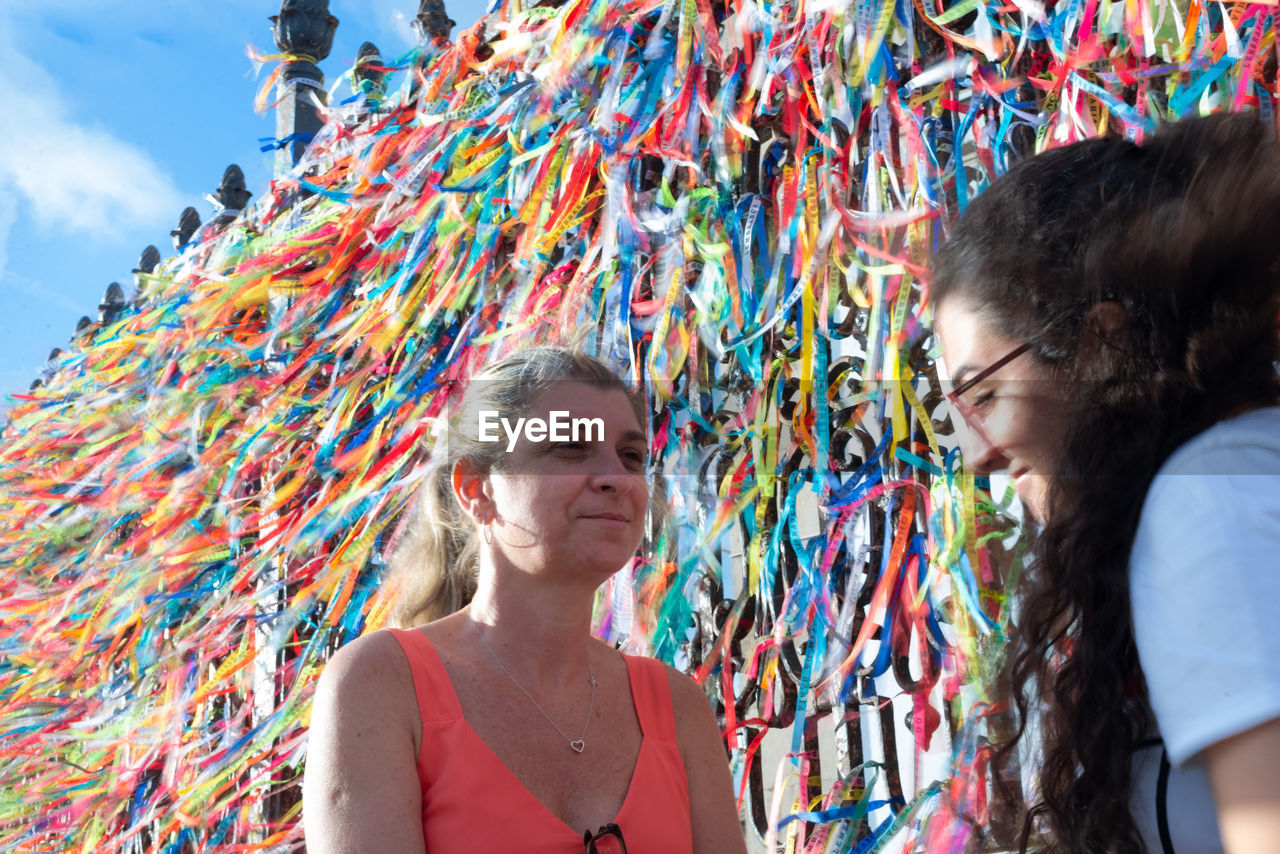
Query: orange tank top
{"points": [[467, 790]]}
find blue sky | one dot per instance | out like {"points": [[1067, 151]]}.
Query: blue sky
{"points": [[119, 115]]}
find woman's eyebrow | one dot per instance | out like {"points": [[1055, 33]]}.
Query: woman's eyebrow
{"points": [[957, 378], [963, 385]]}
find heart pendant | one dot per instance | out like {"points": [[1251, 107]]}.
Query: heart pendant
{"points": [[578, 746]]}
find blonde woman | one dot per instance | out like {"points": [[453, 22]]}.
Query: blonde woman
{"points": [[498, 722]]}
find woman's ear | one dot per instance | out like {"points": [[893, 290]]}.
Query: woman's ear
{"points": [[1105, 319], [471, 490]]}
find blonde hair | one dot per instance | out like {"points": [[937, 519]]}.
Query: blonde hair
{"points": [[433, 564]]}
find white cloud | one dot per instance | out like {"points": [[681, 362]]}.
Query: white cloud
{"points": [[384, 22], [8, 216], [392, 20], [79, 177], [402, 26]]}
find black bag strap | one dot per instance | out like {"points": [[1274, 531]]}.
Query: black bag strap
{"points": [[1162, 803]]}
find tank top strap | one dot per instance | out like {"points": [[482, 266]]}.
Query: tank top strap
{"points": [[651, 693], [437, 701]]}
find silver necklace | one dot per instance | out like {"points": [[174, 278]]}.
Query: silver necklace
{"points": [[577, 744]]}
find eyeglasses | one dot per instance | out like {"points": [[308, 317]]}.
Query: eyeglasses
{"points": [[956, 395], [606, 840]]}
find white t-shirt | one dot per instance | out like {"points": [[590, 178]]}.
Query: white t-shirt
{"points": [[1204, 577]]}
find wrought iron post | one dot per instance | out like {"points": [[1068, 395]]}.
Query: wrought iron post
{"points": [[370, 79], [188, 222], [432, 24], [147, 263], [112, 305], [231, 195], [304, 30]]}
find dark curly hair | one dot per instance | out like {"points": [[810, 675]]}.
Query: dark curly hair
{"points": [[1183, 232]]}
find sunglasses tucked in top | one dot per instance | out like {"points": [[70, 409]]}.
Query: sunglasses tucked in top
{"points": [[606, 840]]}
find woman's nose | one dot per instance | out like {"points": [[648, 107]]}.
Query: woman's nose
{"points": [[611, 473], [980, 453]]}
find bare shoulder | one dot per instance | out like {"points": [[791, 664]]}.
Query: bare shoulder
{"points": [[379, 650], [366, 692], [689, 702], [711, 798], [360, 790], [371, 671], [697, 731], [693, 708]]}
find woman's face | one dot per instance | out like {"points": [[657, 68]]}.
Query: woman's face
{"points": [[571, 501], [1013, 420]]}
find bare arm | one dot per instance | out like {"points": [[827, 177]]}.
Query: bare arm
{"points": [[361, 791], [716, 829], [1244, 771]]}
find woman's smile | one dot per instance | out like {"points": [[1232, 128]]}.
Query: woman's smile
{"points": [[609, 517], [1014, 418]]}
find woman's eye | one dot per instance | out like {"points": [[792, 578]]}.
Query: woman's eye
{"points": [[984, 398], [634, 458]]}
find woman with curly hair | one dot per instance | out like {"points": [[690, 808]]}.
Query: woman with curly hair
{"points": [[1107, 314]]}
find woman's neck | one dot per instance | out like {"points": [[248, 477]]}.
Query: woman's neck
{"points": [[540, 630]]}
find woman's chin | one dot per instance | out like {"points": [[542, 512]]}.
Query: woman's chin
{"points": [[1033, 490]]}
